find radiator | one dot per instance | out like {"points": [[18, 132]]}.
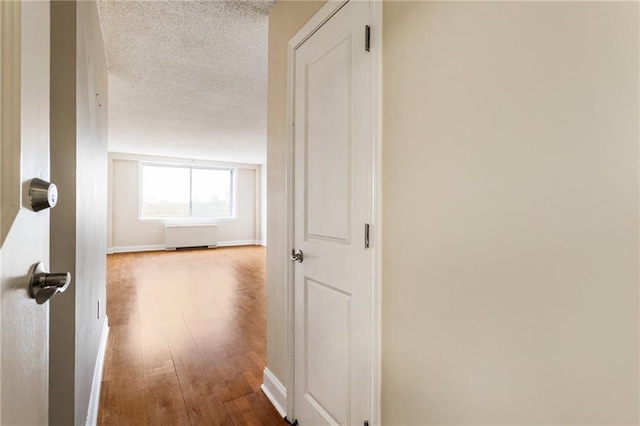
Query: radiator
{"points": [[178, 236]]}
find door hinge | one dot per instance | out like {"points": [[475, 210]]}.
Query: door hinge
{"points": [[366, 235], [367, 38]]}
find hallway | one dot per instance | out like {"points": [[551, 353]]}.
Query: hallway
{"points": [[187, 339]]}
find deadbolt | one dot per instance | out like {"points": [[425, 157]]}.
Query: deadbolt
{"points": [[42, 194]]}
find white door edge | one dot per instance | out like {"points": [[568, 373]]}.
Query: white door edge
{"points": [[326, 12], [376, 377]]}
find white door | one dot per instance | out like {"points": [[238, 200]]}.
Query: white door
{"points": [[24, 127], [333, 143]]}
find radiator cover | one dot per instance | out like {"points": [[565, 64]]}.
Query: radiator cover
{"points": [[181, 236]]}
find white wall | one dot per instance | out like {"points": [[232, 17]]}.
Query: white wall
{"points": [[510, 186], [128, 233], [78, 222], [263, 204], [24, 328]]}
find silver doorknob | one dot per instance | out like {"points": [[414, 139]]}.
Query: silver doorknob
{"points": [[43, 285], [297, 256]]}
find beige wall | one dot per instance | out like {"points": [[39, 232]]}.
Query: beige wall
{"points": [[129, 233], [510, 181], [510, 233], [78, 223], [285, 19]]}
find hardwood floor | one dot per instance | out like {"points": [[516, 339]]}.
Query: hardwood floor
{"points": [[187, 343]]}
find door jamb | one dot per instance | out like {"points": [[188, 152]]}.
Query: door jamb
{"points": [[375, 19]]}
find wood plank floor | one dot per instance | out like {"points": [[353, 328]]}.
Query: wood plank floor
{"points": [[187, 341]]}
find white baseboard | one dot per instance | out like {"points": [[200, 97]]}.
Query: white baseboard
{"points": [[274, 391], [129, 249], [157, 247], [94, 399], [262, 243], [237, 243]]}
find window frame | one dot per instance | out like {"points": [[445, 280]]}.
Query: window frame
{"points": [[190, 218]]}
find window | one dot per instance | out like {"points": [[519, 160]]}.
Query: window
{"points": [[182, 191]]}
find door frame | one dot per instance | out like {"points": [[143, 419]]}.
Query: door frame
{"points": [[375, 19]]}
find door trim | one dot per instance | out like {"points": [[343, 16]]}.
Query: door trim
{"points": [[375, 18]]}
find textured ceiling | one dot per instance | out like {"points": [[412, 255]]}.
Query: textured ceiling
{"points": [[187, 78]]}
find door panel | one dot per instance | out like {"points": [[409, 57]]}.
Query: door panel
{"points": [[328, 144], [333, 171], [24, 326], [328, 384]]}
